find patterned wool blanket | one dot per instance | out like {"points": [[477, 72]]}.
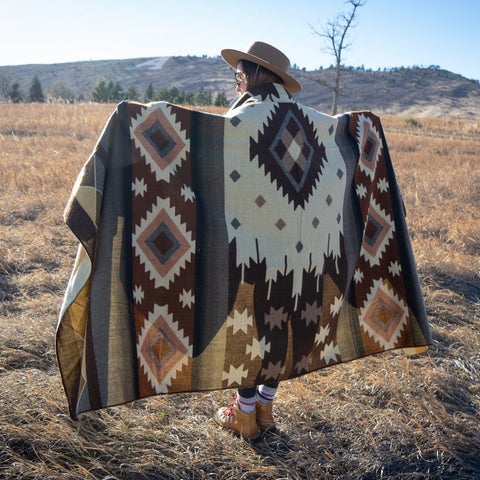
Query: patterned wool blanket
{"points": [[226, 251]]}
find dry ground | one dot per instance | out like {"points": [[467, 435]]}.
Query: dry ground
{"points": [[387, 416]]}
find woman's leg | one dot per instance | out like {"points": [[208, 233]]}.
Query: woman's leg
{"points": [[246, 398], [264, 405], [267, 392]]}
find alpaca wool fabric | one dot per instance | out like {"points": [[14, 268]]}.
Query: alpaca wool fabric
{"points": [[226, 251]]}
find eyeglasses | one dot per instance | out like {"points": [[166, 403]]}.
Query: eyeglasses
{"points": [[239, 77]]}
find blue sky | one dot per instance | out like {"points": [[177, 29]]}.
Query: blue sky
{"points": [[389, 33]]}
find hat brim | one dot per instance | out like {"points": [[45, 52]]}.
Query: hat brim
{"points": [[232, 57]]}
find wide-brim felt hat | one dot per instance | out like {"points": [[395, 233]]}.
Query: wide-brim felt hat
{"points": [[266, 56]]}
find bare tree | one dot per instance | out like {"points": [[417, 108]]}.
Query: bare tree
{"points": [[336, 32], [59, 91]]}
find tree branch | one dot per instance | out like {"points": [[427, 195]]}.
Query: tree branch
{"points": [[335, 33]]}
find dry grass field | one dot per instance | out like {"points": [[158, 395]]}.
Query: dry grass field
{"points": [[388, 416]]}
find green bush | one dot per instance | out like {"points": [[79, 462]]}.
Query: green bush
{"points": [[412, 122]]}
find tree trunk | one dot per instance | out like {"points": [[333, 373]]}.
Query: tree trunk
{"points": [[336, 89]]}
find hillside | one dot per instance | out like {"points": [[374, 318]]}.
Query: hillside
{"points": [[426, 92]]}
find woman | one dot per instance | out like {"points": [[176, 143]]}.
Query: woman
{"points": [[261, 64]]}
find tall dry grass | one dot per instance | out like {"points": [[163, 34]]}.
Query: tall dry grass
{"points": [[381, 417]]}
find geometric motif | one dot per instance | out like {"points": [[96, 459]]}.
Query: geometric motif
{"points": [[336, 305], [286, 148], [273, 371], [292, 151], [330, 353], [235, 175], [139, 187], [240, 321], [303, 364], [293, 188], [361, 190], [234, 375], [160, 141], [138, 294], [311, 313], [258, 348], [394, 268], [235, 121], [260, 201], [370, 144], [358, 276], [235, 223], [162, 243], [383, 314], [276, 318], [322, 334], [186, 298], [382, 185], [378, 232], [280, 224], [162, 349], [187, 193]]}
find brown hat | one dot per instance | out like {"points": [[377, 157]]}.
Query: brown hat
{"points": [[267, 56]]}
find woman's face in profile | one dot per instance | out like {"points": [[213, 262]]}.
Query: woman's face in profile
{"points": [[242, 85]]}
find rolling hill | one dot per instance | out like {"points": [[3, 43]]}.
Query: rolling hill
{"points": [[416, 91]]}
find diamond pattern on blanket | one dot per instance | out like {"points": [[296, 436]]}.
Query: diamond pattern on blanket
{"points": [[383, 315], [163, 244], [160, 140], [370, 145], [292, 151], [378, 232], [162, 349], [285, 148]]}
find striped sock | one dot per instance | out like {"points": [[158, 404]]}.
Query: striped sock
{"points": [[266, 394], [246, 404]]}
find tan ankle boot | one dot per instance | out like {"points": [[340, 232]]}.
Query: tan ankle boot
{"points": [[264, 415], [233, 418]]}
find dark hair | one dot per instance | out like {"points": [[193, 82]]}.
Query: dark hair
{"points": [[258, 75]]}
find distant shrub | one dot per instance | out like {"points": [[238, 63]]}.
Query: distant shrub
{"points": [[14, 94], [107, 93], [132, 93], [36, 92], [149, 93], [201, 97], [221, 100], [412, 122]]}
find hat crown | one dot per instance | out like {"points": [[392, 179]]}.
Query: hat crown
{"points": [[269, 54]]}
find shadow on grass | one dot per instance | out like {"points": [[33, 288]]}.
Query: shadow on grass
{"points": [[8, 292], [337, 456], [466, 286]]}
